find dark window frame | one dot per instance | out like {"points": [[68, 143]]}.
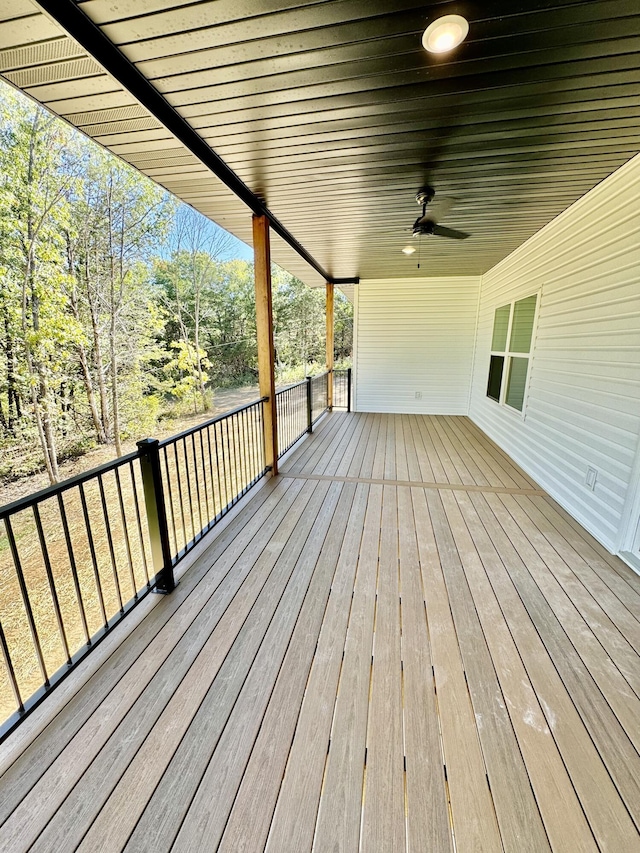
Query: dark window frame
{"points": [[500, 384]]}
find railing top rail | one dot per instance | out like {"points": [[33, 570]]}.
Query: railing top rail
{"points": [[289, 387], [304, 381], [166, 441], [57, 488]]}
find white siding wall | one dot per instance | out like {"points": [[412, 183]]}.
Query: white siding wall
{"points": [[583, 406], [415, 335]]}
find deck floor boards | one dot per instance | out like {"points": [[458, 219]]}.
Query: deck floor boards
{"points": [[400, 644]]}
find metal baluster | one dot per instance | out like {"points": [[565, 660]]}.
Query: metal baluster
{"points": [[186, 466], [256, 450], [107, 525], [184, 523], [226, 457], [239, 453], [259, 415], [264, 452], [240, 446], [52, 585], [134, 586], [234, 461], [197, 479], [204, 478], [25, 600], [139, 520], [6, 656], [74, 569], [284, 419], [245, 451], [212, 513], [94, 560], [170, 490], [291, 411], [309, 406], [216, 442]]}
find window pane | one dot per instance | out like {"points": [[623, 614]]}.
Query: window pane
{"points": [[500, 327], [495, 377], [517, 382], [522, 327]]}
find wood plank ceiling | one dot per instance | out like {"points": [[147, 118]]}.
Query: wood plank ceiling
{"points": [[334, 115]]}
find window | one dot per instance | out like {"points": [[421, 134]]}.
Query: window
{"points": [[510, 352]]}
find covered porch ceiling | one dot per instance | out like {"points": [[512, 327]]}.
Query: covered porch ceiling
{"points": [[330, 115]]}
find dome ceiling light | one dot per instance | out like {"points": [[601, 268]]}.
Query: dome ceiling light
{"points": [[445, 33]]}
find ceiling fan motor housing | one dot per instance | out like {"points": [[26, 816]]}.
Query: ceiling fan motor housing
{"points": [[421, 226], [425, 195]]}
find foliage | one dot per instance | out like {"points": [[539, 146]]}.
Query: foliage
{"points": [[117, 304]]}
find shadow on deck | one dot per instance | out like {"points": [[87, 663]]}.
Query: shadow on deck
{"points": [[398, 641]]}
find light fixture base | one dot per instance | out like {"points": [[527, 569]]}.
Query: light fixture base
{"points": [[445, 33]]}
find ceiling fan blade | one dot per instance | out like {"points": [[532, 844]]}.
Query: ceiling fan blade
{"points": [[441, 231], [440, 207]]}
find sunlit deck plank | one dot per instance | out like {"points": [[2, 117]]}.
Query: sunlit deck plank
{"points": [[296, 730], [520, 824], [426, 791], [136, 787], [54, 761], [237, 712], [520, 601], [163, 816], [556, 798], [617, 598], [617, 575], [285, 655], [208, 654], [339, 814], [383, 818], [472, 809]]}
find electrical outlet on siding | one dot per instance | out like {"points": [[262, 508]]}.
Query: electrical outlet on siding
{"points": [[591, 478], [418, 395]]}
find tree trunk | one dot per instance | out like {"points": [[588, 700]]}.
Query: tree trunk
{"points": [[87, 379], [39, 392], [201, 385], [14, 408], [115, 402], [97, 354]]}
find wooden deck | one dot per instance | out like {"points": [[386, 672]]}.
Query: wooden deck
{"points": [[399, 642]]}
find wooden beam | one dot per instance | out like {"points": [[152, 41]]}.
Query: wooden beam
{"points": [[330, 347], [264, 330]]}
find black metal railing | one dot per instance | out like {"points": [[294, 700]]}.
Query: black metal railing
{"points": [[342, 389], [318, 396], [292, 417], [76, 557], [300, 406], [206, 470]]}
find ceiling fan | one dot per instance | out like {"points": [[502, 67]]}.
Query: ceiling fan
{"points": [[428, 222]]}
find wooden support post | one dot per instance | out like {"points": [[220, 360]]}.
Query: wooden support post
{"points": [[330, 347], [264, 329], [149, 453]]}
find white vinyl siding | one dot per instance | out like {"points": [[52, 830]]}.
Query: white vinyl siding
{"points": [[415, 336], [583, 400]]}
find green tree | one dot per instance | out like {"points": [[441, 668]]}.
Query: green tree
{"points": [[118, 220], [36, 179], [189, 281]]}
